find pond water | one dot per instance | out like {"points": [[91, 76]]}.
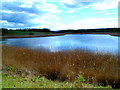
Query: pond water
{"points": [[90, 42]]}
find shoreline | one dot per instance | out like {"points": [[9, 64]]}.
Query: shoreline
{"points": [[56, 34]]}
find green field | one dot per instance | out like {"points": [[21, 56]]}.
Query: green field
{"points": [[16, 33]]}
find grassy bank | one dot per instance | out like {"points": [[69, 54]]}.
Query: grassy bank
{"points": [[21, 78], [96, 68]]}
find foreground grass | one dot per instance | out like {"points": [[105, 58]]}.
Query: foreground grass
{"points": [[12, 79], [96, 68], [0, 80]]}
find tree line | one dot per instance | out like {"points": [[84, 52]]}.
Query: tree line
{"points": [[4, 30]]}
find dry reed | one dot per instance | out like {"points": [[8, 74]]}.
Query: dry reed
{"points": [[97, 68]]}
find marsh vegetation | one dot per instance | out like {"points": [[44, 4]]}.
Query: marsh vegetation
{"points": [[96, 68]]}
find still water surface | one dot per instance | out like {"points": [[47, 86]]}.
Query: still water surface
{"points": [[91, 42]]}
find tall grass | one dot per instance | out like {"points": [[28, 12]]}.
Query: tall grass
{"points": [[97, 68]]}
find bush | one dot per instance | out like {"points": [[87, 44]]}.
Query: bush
{"points": [[31, 33]]}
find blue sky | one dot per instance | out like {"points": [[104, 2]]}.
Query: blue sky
{"points": [[59, 14]]}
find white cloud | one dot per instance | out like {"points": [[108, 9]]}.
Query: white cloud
{"points": [[70, 2], [6, 11], [51, 8], [83, 24], [23, 1], [8, 24], [97, 23], [26, 5], [47, 19], [107, 13], [101, 11], [95, 20], [43, 13], [52, 25], [96, 4], [106, 4], [110, 13], [72, 10], [40, 4], [5, 23]]}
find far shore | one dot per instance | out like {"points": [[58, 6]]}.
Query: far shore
{"points": [[56, 34], [30, 36]]}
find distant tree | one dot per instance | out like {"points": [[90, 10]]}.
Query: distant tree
{"points": [[46, 30], [38, 30], [4, 31]]}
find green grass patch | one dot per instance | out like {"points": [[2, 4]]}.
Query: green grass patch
{"points": [[0, 80], [12, 80], [80, 78]]}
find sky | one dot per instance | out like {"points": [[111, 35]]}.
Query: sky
{"points": [[59, 14]]}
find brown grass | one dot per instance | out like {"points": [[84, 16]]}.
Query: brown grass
{"points": [[101, 69]]}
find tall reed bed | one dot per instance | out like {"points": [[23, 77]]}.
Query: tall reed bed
{"points": [[97, 68]]}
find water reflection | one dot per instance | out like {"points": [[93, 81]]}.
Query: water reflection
{"points": [[91, 42]]}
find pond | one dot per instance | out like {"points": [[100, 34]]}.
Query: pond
{"points": [[91, 42]]}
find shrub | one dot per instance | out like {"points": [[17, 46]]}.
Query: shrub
{"points": [[31, 33], [80, 78]]}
